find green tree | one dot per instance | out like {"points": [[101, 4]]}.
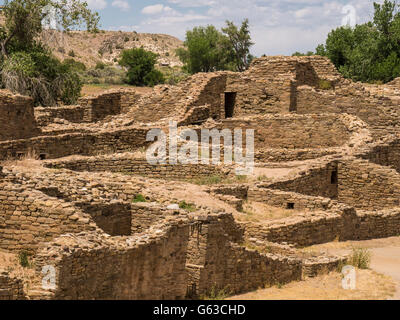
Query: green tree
{"points": [[368, 52], [140, 64], [208, 49], [240, 40], [26, 65]]}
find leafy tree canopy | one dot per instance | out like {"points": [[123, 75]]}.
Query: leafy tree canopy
{"points": [[208, 49], [369, 52], [140, 64]]}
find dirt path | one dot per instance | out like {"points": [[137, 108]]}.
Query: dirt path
{"points": [[387, 262]]}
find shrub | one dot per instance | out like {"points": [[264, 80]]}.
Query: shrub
{"points": [[23, 258], [40, 75], [100, 65], [360, 258], [140, 64], [75, 65], [153, 78]]}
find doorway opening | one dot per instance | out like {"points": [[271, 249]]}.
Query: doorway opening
{"points": [[230, 98]]}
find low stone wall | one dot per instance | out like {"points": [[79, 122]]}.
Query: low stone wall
{"points": [[146, 214], [112, 141], [128, 164], [320, 181], [11, 287], [321, 227], [111, 102], [75, 114], [385, 154], [291, 200]]}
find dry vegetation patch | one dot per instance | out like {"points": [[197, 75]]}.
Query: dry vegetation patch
{"points": [[370, 286]]}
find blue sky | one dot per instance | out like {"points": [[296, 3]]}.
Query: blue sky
{"points": [[277, 26]]}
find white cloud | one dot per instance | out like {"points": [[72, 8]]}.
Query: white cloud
{"points": [[277, 26], [156, 9], [121, 4], [97, 4]]}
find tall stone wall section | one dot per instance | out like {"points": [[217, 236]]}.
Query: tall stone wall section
{"points": [[16, 116]]}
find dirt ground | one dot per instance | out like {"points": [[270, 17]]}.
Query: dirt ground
{"points": [[93, 89], [370, 286], [385, 257]]}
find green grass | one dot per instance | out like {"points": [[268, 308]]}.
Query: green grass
{"points": [[324, 85], [138, 198], [187, 206]]}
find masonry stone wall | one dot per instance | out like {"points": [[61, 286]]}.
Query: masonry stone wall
{"points": [[223, 264], [133, 268], [321, 181], [289, 200], [47, 115], [28, 217], [130, 165], [385, 154], [310, 228], [291, 131], [366, 185], [11, 287], [17, 117], [111, 141]]}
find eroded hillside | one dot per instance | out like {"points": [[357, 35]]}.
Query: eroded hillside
{"points": [[106, 46]]}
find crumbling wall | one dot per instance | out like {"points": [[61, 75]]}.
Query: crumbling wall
{"points": [[47, 115], [17, 117], [11, 287]]}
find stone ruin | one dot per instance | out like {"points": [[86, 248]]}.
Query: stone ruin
{"points": [[327, 153]]}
